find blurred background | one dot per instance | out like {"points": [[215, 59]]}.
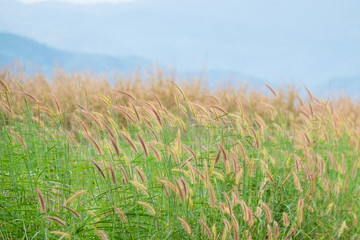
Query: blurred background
{"points": [[312, 43]]}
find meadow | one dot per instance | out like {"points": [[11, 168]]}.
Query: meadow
{"points": [[162, 158]]}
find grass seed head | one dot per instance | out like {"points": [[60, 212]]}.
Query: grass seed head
{"points": [[148, 207], [268, 212], [102, 235], [120, 213], [56, 220], [269, 232], [41, 200], [285, 219], [185, 226], [143, 145], [72, 211], [140, 186]]}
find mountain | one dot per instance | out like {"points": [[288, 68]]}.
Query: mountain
{"points": [[349, 86], [302, 42], [36, 56]]}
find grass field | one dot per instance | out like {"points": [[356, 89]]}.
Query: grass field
{"points": [[83, 159]]}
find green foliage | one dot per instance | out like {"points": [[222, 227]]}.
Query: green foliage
{"points": [[213, 171]]}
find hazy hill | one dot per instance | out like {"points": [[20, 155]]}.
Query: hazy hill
{"points": [[346, 86], [37, 56], [40, 57], [303, 42]]}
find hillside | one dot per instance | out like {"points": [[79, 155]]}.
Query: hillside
{"points": [[38, 56], [305, 42], [345, 86]]}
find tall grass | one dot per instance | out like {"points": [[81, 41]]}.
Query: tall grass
{"points": [[83, 159]]}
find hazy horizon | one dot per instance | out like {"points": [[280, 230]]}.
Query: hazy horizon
{"points": [[280, 42]]}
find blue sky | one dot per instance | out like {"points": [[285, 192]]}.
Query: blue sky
{"points": [[77, 1], [279, 41]]}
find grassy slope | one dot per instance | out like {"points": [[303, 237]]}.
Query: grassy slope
{"points": [[55, 158]]}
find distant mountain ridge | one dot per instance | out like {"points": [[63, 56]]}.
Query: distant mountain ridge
{"points": [[37, 56]]}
